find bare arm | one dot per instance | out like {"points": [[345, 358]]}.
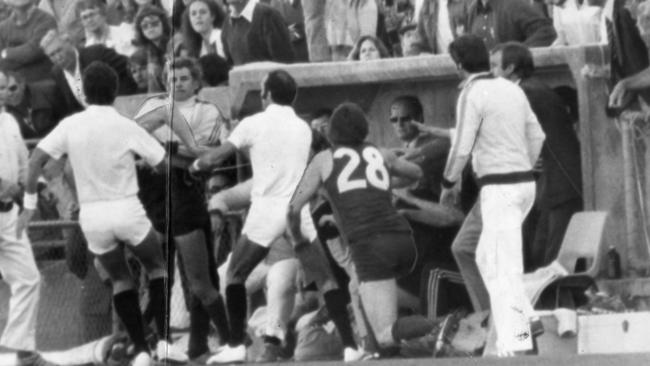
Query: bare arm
{"points": [[428, 212], [636, 82], [213, 157], [307, 188], [38, 159]]}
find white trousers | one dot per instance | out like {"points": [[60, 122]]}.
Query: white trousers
{"points": [[19, 271], [500, 261]]}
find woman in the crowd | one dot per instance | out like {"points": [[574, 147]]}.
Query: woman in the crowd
{"points": [[368, 48], [152, 33], [125, 11], [201, 28], [356, 179]]}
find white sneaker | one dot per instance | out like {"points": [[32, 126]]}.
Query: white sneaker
{"points": [[352, 355], [142, 359], [166, 351], [229, 355]]}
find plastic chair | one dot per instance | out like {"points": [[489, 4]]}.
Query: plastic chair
{"points": [[580, 254]]}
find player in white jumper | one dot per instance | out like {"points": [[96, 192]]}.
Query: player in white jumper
{"points": [[102, 146]]}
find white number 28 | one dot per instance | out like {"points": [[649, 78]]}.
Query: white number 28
{"points": [[376, 173]]}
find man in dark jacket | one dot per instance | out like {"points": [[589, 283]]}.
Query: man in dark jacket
{"points": [[36, 106], [69, 63], [255, 32], [560, 185], [499, 21]]}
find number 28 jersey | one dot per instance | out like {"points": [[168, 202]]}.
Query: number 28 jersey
{"points": [[359, 192]]}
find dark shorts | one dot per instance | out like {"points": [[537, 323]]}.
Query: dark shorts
{"points": [[187, 204], [383, 256]]}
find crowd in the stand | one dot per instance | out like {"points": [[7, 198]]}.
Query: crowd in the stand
{"points": [[416, 207]]}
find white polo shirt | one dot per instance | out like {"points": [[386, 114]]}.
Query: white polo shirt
{"points": [[101, 145], [278, 142]]}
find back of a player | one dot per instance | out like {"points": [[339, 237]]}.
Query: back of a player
{"points": [[101, 145], [359, 191]]}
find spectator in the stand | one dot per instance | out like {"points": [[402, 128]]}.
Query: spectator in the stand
{"points": [[152, 33], [92, 14], [125, 11], [440, 22], [69, 63], [19, 37], [314, 12], [35, 106], [362, 17], [499, 21], [576, 22], [255, 32], [368, 48], [215, 70], [201, 27], [138, 66], [64, 13], [560, 192], [410, 44]]}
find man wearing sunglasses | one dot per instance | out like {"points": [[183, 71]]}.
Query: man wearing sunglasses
{"points": [[36, 106], [433, 224]]}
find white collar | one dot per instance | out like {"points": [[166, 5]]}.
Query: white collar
{"points": [[247, 12]]}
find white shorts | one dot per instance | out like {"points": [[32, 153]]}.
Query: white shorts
{"points": [[108, 222], [267, 220]]}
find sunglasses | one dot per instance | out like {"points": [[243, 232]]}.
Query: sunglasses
{"points": [[12, 88], [147, 25], [401, 119]]}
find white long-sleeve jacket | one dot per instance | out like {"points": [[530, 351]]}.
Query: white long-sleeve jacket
{"points": [[496, 126]]}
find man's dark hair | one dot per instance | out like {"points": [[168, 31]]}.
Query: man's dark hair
{"points": [[215, 69], [348, 125], [90, 4], [471, 53], [518, 55], [282, 87], [413, 104], [188, 63], [100, 83]]}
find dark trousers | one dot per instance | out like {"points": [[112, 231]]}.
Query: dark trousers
{"points": [[550, 230]]}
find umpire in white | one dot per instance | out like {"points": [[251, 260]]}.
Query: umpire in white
{"points": [[17, 263]]}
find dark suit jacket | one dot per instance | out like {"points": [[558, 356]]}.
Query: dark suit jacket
{"points": [[561, 178], [519, 21], [87, 55], [40, 110]]}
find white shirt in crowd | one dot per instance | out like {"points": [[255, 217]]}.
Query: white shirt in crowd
{"points": [[215, 40], [13, 153], [101, 145], [75, 82], [118, 38], [278, 142], [204, 119], [496, 126], [577, 24]]}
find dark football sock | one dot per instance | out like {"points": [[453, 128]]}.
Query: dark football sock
{"points": [[199, 329], [219, 317], [336, 304], [127, 307], [158, 306], [237, 309]]}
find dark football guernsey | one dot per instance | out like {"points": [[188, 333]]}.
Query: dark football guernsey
{"points": [[359, 191]]}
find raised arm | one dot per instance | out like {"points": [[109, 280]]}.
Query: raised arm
{"points": [[401, 168]]}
